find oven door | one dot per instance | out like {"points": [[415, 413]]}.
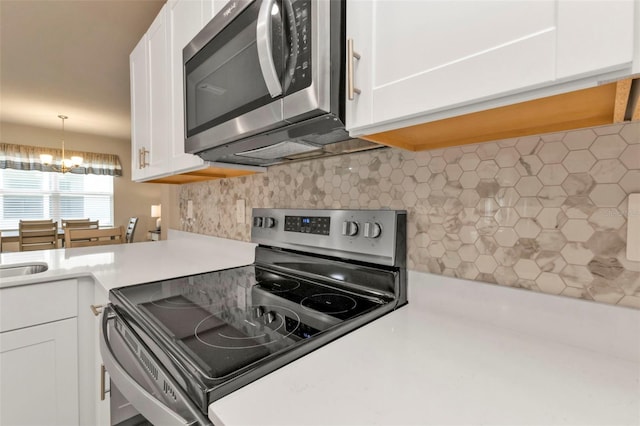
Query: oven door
{"points": [[142, 390], [235, 73]]}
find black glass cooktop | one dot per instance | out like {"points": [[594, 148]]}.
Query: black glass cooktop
{"points": [[227, 320]]}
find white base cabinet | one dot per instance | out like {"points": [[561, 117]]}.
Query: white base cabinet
{"points": [[50, 364], [39, 354], [39, 370], [426, 60]]}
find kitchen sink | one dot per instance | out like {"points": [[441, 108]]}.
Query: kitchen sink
{"points": [[15, 270]]}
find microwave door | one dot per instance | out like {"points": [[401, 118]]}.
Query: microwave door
{"points": [[227, 93]]}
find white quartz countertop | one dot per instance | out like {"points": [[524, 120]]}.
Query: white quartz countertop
{"points": [[126, 264], [460, 353]]}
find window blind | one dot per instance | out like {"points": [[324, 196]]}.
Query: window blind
{"points": [[33, 195]]}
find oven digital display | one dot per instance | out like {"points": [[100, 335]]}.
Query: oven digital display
{"points": [[307, 224]]}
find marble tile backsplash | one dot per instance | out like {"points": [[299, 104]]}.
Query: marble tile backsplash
{"points": [[545, 213]]}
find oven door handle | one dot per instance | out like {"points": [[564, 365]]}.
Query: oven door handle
{"points": [[148, 405], [265, 53]]}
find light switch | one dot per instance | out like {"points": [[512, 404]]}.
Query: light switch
{"points": [[633, 228], [240, 211], [189, 209]]}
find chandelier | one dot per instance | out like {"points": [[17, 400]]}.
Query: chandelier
{"points": [[66, 164]]}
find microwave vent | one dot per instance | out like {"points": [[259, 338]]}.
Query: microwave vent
{"points": [[279, 150], [216, 90]]}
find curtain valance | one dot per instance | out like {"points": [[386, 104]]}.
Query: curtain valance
{"points": [[25, 157]]}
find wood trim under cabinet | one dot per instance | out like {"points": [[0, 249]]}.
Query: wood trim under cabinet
{"points": [[623, 89], [594, 106], [201, 175]]}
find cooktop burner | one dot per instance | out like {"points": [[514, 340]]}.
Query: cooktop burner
{"points": [[213, 332]]}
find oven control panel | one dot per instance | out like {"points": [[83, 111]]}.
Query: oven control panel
{"points": [[320, 225], [367, 235]]}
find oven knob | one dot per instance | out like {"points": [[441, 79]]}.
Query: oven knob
{"points": [[269, 317], [349, 228], [257, 222], [268, 222], [372, 230], [258, 312]]}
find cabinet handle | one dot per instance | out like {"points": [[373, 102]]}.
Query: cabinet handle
{"points": [[139, 158], [351, 55], [103, 382], [144, 162], [96, 309]]}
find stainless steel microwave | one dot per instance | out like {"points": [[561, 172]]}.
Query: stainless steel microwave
{"points": [[264, 82]]}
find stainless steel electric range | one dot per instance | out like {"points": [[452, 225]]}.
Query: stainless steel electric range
{"points": [[172, 347]]}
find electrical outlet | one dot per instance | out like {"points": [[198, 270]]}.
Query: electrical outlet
{"points": [[240, 211], [189, 209]]}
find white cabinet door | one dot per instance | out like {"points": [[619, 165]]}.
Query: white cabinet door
{"points": [[157, 54], [139, 108], [39, 370], [185, 18], [594, 36], [427, 60], [421, 56], [148, 67]]}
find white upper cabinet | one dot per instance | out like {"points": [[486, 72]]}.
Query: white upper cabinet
{"points": [[185, 18], [139, 86], [157, 43], [157, 99], [150, 103], [594, 36], [426, 60]]}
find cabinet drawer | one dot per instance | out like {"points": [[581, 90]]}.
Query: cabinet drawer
{"points": [[28, 305]]}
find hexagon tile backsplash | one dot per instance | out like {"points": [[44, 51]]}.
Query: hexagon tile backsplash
{"points": [[545, 213]]}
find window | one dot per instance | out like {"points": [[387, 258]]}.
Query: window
{"points": [[28, 194]]}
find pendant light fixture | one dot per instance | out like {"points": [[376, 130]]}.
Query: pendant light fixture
{"points": [[66, 164]]}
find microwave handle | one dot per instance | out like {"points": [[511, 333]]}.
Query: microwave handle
{"points": [[265, 54], [293, 58]]}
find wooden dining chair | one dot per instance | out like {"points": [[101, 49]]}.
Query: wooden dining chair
{"points": [[78, 237], [131, 228], [79, 223], [37, 235]]}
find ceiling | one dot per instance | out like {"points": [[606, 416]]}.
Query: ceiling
{"points": [[72, 58]]}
